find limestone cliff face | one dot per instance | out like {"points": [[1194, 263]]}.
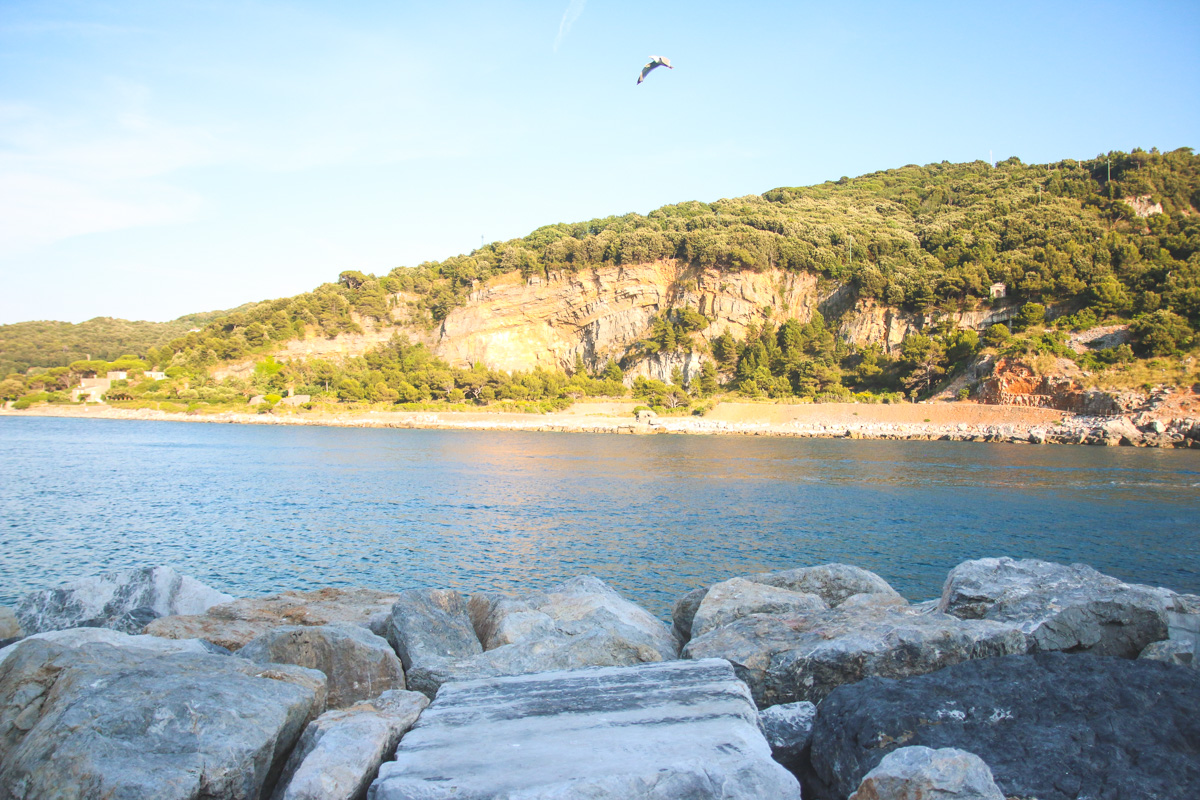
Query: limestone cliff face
{"points": [[870, 322], [514, 324]]}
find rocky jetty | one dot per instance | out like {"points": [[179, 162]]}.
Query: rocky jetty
{"points": [[1024, 679]]}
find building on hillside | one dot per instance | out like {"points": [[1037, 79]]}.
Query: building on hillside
{"points": [[117, 375], [155, 376], [91, 390], [998, 291]]}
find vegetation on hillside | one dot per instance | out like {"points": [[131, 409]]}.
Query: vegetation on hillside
{"points": [[1065, 237]]}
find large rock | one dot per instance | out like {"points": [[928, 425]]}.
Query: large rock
{"points": [[357, 664], [339, 753], [578, 623], [235, 623], [73, 638], [1070, 608], [1050, 725], [1172, 651], [663, 731], [919, 773], [787, 658], [738, 597], [124, 601], [98, 721], [833, 583], [10, 628]]}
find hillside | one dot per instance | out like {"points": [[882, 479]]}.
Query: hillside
{"points": [[872, 285]]}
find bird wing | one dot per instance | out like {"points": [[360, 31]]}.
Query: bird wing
{"points": [[646, 71]]}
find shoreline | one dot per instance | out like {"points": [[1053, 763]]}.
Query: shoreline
{"points": [[958, 421]]}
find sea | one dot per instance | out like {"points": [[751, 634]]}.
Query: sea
{"points": [[257, 509]]}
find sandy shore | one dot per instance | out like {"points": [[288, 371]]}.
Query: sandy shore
{"points": [[958, 421]]}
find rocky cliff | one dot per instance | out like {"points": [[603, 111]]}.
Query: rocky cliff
{"points": [[513, 323]]}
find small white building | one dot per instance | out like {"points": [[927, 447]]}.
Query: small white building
{"points": [[998, 291]]}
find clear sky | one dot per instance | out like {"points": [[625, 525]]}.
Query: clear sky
{"points": [[159, 158]]}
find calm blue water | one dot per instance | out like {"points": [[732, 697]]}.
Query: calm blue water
{"points": [[257, 509]]}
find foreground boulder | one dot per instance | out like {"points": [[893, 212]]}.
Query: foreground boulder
{"points": [[787, 658], [736, 598], [124, 601], [663, 731], [919, 773], [339, 753], [1050, 725], [578, 623], [232, 624], [1071, 608], [832, 583], [357, 664], [100, 721], [10, 628]]}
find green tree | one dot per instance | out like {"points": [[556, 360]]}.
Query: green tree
{"points": [[1031, 315], [1160, 333], [925, 358], [709, 384], [996, 335]]}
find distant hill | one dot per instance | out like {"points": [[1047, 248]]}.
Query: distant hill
{"points": [[55, 344]]}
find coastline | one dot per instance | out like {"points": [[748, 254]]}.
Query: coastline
{"points": [[958, 421]]}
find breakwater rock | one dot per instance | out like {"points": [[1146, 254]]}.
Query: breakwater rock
{"points": [[820, 677]]}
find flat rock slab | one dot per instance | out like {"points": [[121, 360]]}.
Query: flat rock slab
{"points": [[666, 730], [1071, 608], [787, 658], [124, 600], [97, 721], [232, 624], [1054, 726]]}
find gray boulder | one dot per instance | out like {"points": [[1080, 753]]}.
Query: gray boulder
{"points": [[833, 583], [1070, 608], [788, 728], [1050, 725], [339, 753], [1172, 651], [578, 623], [919, 773], [125, 601], [232, 624], [736, 598], [99, 721], [357, 664], [787, 658], [73, 638], [654, 731]]}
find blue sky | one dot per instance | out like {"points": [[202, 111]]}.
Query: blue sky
{"points": [[163, 158]]}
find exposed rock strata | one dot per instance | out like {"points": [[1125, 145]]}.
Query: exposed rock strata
{"points": [[653, 731], [1053, 726], [1057, 607], [124, 600], [232, 624]]}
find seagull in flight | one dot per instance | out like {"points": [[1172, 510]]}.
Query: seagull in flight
{"points": [[655, 61]]}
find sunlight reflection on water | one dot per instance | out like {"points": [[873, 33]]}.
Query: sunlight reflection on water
{"points": [[257, 509]]}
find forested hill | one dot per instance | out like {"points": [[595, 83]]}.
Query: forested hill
{"points": [[54, 344], [1115, 237], [917, 238]]}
